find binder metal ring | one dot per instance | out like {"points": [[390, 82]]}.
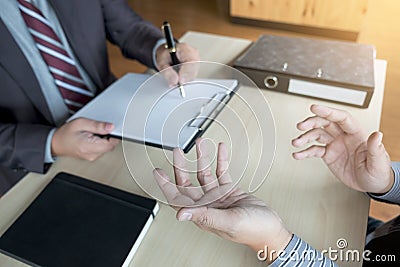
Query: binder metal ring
{"points": [[271, 82]]}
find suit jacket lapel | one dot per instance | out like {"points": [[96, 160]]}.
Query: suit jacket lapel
{"points": [[21, 72], [74, 32]]}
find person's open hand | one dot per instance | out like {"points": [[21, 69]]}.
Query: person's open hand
{"points": [[218, 206], [185, 54], [80, 139], [359, 161]]}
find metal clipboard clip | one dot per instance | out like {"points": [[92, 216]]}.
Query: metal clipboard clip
{"points": [[210, 110]]}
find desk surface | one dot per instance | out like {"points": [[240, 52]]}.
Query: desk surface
{"points": [[309, 199]]}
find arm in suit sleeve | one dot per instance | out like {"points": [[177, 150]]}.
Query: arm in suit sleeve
{"points": [[23, 146], [135, 36], [393, 196]]}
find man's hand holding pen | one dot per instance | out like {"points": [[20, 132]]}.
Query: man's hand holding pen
{"points": [[173, 54]]}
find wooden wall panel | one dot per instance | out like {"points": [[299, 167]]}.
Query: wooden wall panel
{"points": [[341, 15]]}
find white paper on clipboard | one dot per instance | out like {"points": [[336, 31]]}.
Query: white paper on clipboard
{"points": [[156, 114]]}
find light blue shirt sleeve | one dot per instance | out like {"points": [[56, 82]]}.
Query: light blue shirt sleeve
{"points": [[48, 157], [393, 195], [299, 253]]}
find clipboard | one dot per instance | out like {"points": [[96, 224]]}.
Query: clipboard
{"points": [[144, 109]]}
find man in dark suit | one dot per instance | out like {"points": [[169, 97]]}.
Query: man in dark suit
{"points": [[40, 37]]}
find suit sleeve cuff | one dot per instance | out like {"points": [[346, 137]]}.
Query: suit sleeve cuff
{"points": [[393, 196], [48, 158]]}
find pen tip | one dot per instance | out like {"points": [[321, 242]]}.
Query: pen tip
{"points": [[182, 91]]}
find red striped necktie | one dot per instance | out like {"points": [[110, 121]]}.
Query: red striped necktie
{"points": [[61, 65]]}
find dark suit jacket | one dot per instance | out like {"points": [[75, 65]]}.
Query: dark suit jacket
{"points": [[25, 119]]}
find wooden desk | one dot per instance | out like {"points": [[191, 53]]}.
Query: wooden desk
{"points": [[311, 202]]}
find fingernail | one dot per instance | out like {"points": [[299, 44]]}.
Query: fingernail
{"points": [[158, 171], [296, 142], [185, 217], [380, 137], [109, 126]]}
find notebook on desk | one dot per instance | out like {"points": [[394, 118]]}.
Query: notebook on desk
{"points": [[78, 222], [144, 109]]}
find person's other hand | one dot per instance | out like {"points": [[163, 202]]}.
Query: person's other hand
{"points": [[359, 161], [79, 139], [219, 206], [185, 54]]}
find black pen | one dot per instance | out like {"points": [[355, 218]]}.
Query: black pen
{"points": [[172, 50]]}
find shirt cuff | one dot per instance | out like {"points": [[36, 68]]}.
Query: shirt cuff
{"points": [[393, 195], [299, 253], [48, 158], [159, 42]]}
